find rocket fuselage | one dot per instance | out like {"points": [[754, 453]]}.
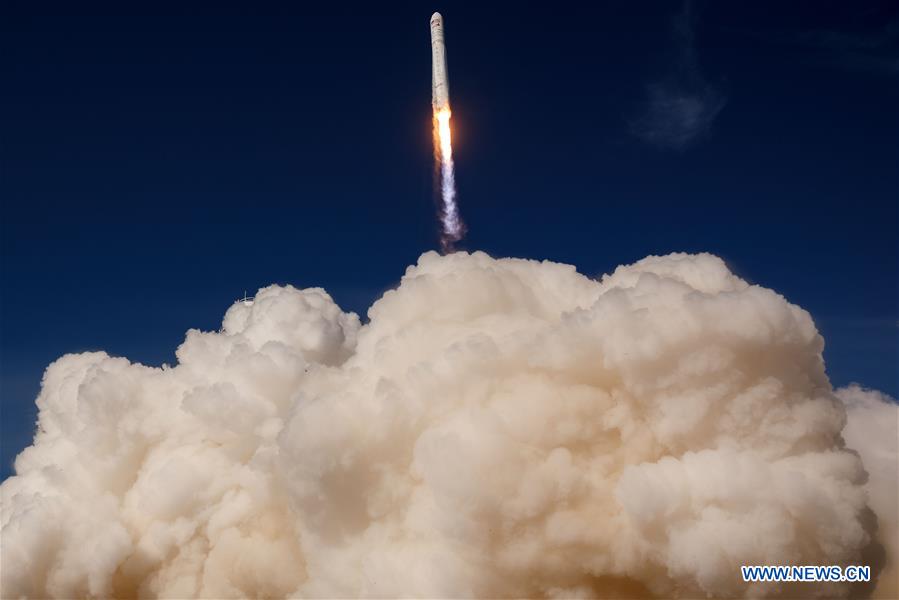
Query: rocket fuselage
{"points": [[439, 80]]}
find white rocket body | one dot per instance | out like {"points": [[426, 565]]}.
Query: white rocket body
{"points": [[439, 80]]}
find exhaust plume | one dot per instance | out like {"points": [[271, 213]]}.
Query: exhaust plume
{"points": [[451, 223], [499, 428]]}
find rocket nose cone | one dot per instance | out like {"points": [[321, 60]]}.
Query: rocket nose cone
{"points": [[436, 18]]}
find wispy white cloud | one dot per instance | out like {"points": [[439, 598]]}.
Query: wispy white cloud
{"points": [[681, 106]]}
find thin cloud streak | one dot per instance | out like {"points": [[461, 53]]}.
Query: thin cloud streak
{"points": [[874, 51]]}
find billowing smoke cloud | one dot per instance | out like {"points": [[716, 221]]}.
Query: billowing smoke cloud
{"points": [[499, 428], [872, 429]]}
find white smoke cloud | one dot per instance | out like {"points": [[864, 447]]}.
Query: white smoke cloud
{"points": [[499, 428], [872, 429]]}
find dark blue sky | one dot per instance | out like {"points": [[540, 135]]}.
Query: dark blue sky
{"points": [[156, 164]]}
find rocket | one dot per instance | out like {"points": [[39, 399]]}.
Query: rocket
{"points": [[439, 81]]}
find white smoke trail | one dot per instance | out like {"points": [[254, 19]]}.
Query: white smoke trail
{"points": [[499, 428], [451, 222]]}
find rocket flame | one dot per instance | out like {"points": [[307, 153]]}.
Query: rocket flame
{"points": [[444, 134], [453, 228]]}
